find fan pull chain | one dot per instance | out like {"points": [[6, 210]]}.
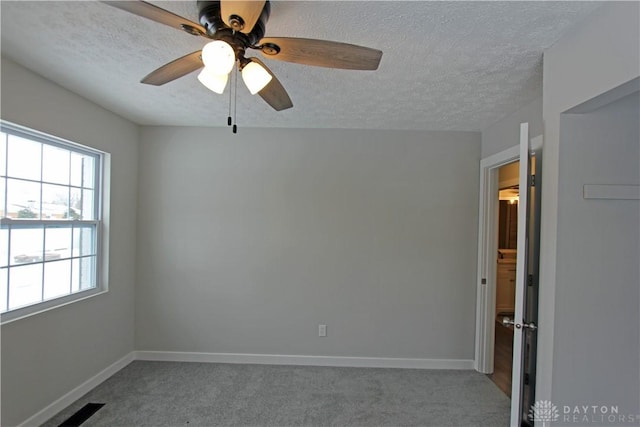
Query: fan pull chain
{"points": [[229, 120], [230, 99], [235, 101]]}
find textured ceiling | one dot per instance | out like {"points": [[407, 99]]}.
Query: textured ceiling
{"points": [[446, 65]]}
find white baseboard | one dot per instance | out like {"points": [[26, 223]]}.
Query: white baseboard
{"points": [[75, 394], [279, 359]]}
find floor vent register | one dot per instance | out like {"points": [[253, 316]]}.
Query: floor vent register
{"points": [[82, 415]]}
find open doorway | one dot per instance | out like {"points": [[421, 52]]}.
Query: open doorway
{"points": [[505, 279], [488, 321], [497, 264]]}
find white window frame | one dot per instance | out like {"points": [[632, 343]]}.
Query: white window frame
{"points": [[100, 199]]}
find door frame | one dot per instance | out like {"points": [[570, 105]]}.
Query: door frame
{"points": [[488, 253]]}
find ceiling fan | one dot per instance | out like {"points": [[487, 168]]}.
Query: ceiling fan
{"points": [[235, 26]]}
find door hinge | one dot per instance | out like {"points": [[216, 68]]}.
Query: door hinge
{"points": [[526, 379], [530, 280], [533, 180], [483, 281]]}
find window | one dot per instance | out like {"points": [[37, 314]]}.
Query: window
{"points": [[50, 216]]}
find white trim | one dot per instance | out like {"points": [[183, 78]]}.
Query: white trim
{"points": [[501, 158], [45, 414], [281, 359]]}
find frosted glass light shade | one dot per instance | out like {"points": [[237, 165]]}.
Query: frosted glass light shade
{"points": [[213, 81], [218, 56], [255, 77]]}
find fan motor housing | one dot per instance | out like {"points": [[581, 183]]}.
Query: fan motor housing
{"points": [[211, 19]]}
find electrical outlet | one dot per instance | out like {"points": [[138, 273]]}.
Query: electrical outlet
{"points": [[322, 330]]}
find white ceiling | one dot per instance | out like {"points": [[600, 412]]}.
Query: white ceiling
{"points": [[446, 65]]}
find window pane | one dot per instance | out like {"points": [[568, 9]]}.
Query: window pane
{"points": [[83, 274], [55, 164], [4, 247], [57, 278], [26, 245], [26, 285], [57, 242], [3, 290], [75, 208], [55, 201], [88, 211], [24, 158], [3, 153], [23, 199], [84, 241], [82, 170]]}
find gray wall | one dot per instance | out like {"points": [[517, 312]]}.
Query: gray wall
{"points": [[506, 132], [47, 355], [246, 243], [598, 291], [599, 56]]}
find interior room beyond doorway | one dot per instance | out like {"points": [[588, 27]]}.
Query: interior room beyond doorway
{"points": [[508, 179]]}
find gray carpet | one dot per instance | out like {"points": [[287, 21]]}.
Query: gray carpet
{"points": [[206, 394]]}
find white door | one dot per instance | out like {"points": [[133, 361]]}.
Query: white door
{"points": [[525, 316]]}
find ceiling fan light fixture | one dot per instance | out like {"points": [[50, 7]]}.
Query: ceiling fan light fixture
{"points": [[219, 57], [255, 77], [232, 27], [213, 81]]}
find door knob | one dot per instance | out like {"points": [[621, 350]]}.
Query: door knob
{"points": [[508, 322], [531, 326]]}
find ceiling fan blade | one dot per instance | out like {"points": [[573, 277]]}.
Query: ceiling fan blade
{"points": [[157, 14], [274, 93], [321, 53], [248, 11], [174, 69]]}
